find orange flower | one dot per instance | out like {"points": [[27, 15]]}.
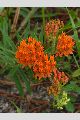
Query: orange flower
{"points": [[59, 78], [28, 52], [52, 27], [65, 45], [54, 89], [32, 54], [43, 67]]}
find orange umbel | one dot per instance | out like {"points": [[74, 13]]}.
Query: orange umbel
{"points": [[27, 53], [52, 27], [43, 67], [54, 89], [32, 54], [65, 45], [59, 78]]}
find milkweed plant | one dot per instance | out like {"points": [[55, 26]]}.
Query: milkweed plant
{"points": [[32, 54]]}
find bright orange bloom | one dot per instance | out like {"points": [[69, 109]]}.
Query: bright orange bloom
{"points": [[43, 67], [52, 27], [32, 54], [27, 53], [65, 45]]}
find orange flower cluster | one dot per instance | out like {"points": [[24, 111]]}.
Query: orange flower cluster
{"points": [[54, 89], [65, 45], [59, 78], [52, 27], [43, 67], [28, 52], [32, 54]]}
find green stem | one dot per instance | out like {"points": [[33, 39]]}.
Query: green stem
{"points": [[54, 45], [18, 110], [76, 61], [43, 18]]}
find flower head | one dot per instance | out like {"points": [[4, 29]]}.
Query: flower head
{"points": [[61, 102], [43, 67], [59, 78], [52, 27], [54, 89], [65, 45], [32, 54], [27, 53]]}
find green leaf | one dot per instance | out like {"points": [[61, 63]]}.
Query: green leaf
{"points": [[25, 79], [75, 32], [13, 74], [24, 11], [72, 98], [18, 84], [70, 107], [7, 56], [41, 36], [69, 87], [19, 38], [76, 73], [6, 40], [34, 32], [48, 50], [30, 14], [72, 87], [18, 110], [27, 30]]}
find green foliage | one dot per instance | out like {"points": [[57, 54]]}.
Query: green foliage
{"points": [[70, 107], [72, 86], [25, 79], [75, 36], [76, 73], [8, 61]]}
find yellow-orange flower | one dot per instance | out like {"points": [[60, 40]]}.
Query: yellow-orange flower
{"points": [[65, 45], [32, 54], [52, 27], [59, 78], [54, 89]]}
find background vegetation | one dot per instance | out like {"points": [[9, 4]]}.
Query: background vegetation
{"points": [[20, 23]]}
